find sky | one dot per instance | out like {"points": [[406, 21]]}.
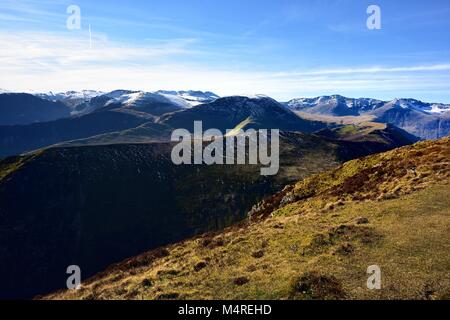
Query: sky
{"points": [[281, 48]]}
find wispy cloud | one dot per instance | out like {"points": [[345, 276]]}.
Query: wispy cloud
{"points": [[27, 9], [367, 70], [43, 61], [11, 17], [28, 50]]}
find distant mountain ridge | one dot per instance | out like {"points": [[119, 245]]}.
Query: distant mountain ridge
{"points": [[22, 138], [127, 111], [229, 113], [258, 112], [86, 101], [46, 119], [425, 120], [338, 105], [23, 108], [58, 96], [334, 105], [28, 122]]}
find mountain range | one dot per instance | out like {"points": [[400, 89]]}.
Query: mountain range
{"points": [[85, 115], [95, 184], [83, 102], [31, 122], [425, 120], [244, 112]]}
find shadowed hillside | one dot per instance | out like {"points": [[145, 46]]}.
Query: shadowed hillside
{"points": [[18, 139], [23, 108]]}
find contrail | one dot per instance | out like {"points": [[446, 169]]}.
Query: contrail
{"points": [[90, 37]]}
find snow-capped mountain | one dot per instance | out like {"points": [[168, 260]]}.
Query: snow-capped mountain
{"points": [[189, 98], [425, 120], [72, 99], [86, 101], [69, 95], [429, 108], [337, 105], [159, 102], [140, 101], [183, 99]]}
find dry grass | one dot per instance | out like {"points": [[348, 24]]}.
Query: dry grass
{"points": [[11, 164], [345, 120]]}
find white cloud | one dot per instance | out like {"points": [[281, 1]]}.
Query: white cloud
{"points": [[368, 70], [28, 50], [10, 17], [41, 61]]}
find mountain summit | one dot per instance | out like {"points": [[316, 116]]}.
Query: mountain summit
{"points": [[258, 112]]}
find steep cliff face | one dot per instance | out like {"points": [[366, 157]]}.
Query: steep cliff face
{"points": [[95, 205]]}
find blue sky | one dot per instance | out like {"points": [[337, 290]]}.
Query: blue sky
{"points": [[282, 48]]}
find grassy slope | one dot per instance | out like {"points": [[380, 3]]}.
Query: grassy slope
{"points": [[334, 119], [11, 164], [310, 241]]}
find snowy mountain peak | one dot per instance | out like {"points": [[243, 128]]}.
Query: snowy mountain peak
{"points": [[189, 98], [69, 95], [182, 99], [337, 105], [86, 101], [413, 104]]}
